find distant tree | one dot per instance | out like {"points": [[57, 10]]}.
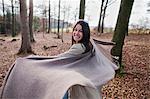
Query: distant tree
{"points": [[4, 21], [8, 20], [54, 15], [16, 22], [63, 22], [82, 9], [142, 27], [75, 14], [148, 4], [13, 19], [68, 17], [49, 17], [58, 35], [36, 23], [103, 17], [103, 7], [25, 44], [121, 27], [44, 20], [100, 16], [31, 20]]}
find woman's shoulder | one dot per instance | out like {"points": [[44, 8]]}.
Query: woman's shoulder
{"points": [[74, 50], [78, 46]]}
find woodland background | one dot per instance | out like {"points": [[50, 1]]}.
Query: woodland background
{"points": [[22, 34]]}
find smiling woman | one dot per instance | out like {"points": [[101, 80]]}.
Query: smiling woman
{"points": [[80, 39], [77, 33], [79, 73]]}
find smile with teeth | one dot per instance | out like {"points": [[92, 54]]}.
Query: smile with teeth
{"points": [[77, 36]]}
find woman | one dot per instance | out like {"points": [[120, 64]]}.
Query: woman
{"points": [[80, 40], [81, 70]]}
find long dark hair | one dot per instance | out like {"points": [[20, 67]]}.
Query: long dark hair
{"points": [[86, 34]]}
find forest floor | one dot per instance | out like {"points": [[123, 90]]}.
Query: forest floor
{"points": [[134, 84]]}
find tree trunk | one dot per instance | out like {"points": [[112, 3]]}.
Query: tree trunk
{"points": [[121, 27], [103, 18], [54, 26], [82, 9], [4, 19], [13, 20], [25, 44], [54, 20], [58, 20], [100, 17], [49, 20], [45, 18], [43, 21], [63, 23], [31, 20], [67, 19], [8, 20], [63, 26], [62, 32]]}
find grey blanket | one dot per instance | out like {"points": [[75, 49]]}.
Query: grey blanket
{"points": [[37, 77]]}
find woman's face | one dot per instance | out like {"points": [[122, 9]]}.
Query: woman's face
{"points": [[77, 33]]}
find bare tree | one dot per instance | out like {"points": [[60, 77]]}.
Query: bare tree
{"points": [[13, 19], [103, 7], [142, 27], [49, 18], [44, 20], [8, 20], [121, 27], [25, 44], [82, 9], [64, 16], [4, 18], [100, 16], [148, 5], [31, 20], [58, 35], [75, 14], [67, 18], [103, 17], [54, 15]]}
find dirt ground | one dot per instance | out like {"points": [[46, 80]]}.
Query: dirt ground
{"points": [[134, 84]]}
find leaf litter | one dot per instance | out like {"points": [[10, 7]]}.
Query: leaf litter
{"points": [[135, 84]]}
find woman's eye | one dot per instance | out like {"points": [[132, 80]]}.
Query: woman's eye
{"points": [[80, 31], [75, 29]]}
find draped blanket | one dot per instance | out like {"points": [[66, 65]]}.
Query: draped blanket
{"points": [[44, 77]]}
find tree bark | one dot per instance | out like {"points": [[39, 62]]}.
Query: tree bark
{"points": [[4, 18], [49, 20], [103, 17], [100, 16], [31, 21], [64, 12], [13, 20], [62, 32], [45, 18], [121, 27], [82, 9], [8, 20], [58, 21], [67, 19], [25, 44], [54, 20]]}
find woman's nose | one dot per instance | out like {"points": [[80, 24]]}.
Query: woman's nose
{"points": [[76, 32]]}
